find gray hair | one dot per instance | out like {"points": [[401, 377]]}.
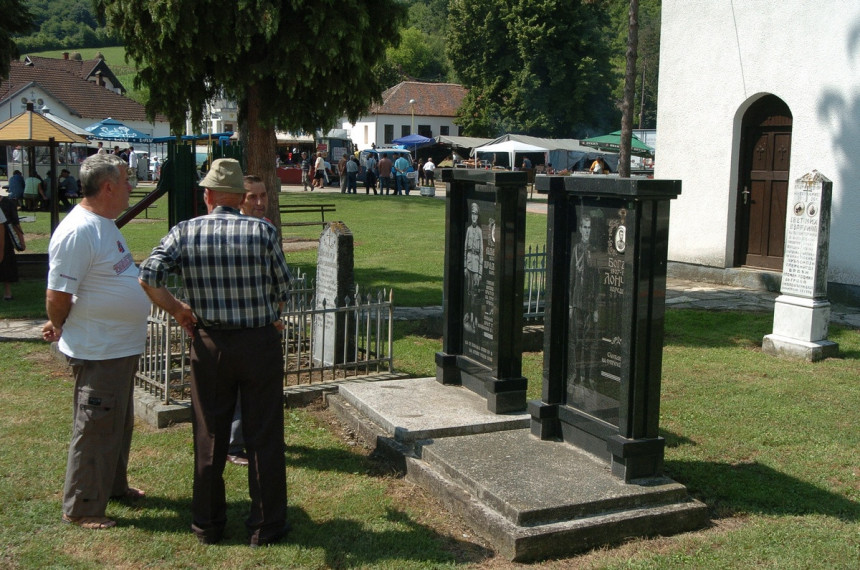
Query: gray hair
{"points": [[98, 168]]}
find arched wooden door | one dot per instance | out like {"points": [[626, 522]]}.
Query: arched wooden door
{"points": [[763, 187]]}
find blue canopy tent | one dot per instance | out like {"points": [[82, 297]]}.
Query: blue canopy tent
{"points": [[113, 130], [414, 140]]}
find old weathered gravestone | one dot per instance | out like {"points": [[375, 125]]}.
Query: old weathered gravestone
{"points": [[335, 283], [801, 315], [483, 293], [606, 284]]}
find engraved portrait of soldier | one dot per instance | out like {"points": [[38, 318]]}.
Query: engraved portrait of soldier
{"points": [[584, 312], [473, 266]]}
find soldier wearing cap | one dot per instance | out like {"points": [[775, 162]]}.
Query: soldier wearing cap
{"points": [[236, 279]]}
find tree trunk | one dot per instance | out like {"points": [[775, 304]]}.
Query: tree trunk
{"points": [[629, 91], [260, 152]]}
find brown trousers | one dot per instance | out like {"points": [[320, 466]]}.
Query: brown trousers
{"points": [[223, 364]]}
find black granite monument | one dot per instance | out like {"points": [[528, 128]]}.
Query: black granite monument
{"points": [[483, 291], [607, 241]]}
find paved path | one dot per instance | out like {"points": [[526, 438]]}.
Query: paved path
{"points": [[679, 295]]}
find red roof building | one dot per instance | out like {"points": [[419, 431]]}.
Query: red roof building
{"points": [[429, 109]]}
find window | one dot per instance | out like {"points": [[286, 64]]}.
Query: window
{"points": [[425, 131], [405, 130], [228, 127], [443, 130], [365, 134], [389, 134]]}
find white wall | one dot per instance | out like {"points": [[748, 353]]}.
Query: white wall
{"points": [[376, 127], [719, 56]]}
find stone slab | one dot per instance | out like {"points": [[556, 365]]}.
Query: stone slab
{"points": [[530, 481], [530, 499], [786, 347], [156, 413], [421, 408]]}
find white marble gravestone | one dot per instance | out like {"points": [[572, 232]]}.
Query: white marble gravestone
{"points": [[802, 312]]}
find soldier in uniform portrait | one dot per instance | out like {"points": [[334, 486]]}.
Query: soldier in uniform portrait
{"points": [[474, 256]]}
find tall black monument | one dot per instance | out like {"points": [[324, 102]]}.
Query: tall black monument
{"points": [[607, 244], [483, 290]]}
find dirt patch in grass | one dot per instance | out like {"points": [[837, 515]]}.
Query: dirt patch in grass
{"points": [[299, 244]]}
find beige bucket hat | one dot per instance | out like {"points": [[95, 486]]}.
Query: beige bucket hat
{"points": [[225, 175]]}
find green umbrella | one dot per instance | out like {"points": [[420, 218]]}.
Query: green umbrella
{"points": [[612, 142]]}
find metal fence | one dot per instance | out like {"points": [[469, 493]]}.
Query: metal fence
{"points": [[534, 296], [365, 322]]}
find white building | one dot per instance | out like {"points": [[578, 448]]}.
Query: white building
{"points": [[428, 109], [753, 95], [80, 92]]}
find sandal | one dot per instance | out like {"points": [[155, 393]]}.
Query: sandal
{"points": [[90, 523], [131, 493]]}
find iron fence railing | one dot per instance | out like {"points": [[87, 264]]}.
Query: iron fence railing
{"points": [[365, 328], [534, 296]]}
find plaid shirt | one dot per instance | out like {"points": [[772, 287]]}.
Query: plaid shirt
{"points": [[232, 268]]}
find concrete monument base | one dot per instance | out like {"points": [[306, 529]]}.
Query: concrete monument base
{"points": [[531, 499], [811, 351], [800, 329]]}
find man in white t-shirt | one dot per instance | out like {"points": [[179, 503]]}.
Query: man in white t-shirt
{"points": [[97, 315], [429, 167]]}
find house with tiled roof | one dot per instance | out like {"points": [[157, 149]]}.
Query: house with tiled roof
{"points": [[429, 109], [95, 70], [69, 92]]}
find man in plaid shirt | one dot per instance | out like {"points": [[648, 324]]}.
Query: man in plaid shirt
{"points": [[235, 279]]}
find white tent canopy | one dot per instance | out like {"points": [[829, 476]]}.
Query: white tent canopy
{"points": [[509, 147]]}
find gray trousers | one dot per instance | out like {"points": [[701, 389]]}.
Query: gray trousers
{"points": [[101, 434]]}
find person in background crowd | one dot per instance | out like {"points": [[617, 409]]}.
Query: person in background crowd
{"points": [[429, 172], [385, 168], [370, 174], [16, 186], [12, 233], [33, 191], [319, 171], [420, 169], [341, 172], [306, 169], [401, 166], [132, 166], [97, 315], [351, 169]]}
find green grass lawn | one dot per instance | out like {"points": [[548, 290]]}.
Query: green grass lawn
{"points": [[398, 244], [770, 445]]}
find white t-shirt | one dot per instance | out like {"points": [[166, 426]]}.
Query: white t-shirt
{"points": [[132, 162], [89, 258], [429, 166]]}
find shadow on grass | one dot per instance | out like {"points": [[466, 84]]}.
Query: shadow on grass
{"points": [[755, 488], [711, 329], [347, 543]]}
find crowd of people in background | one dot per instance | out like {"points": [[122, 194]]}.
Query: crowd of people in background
{"points": [[380, 174]]}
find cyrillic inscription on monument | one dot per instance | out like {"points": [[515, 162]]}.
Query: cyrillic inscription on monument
{"points": [[802, 273]]}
